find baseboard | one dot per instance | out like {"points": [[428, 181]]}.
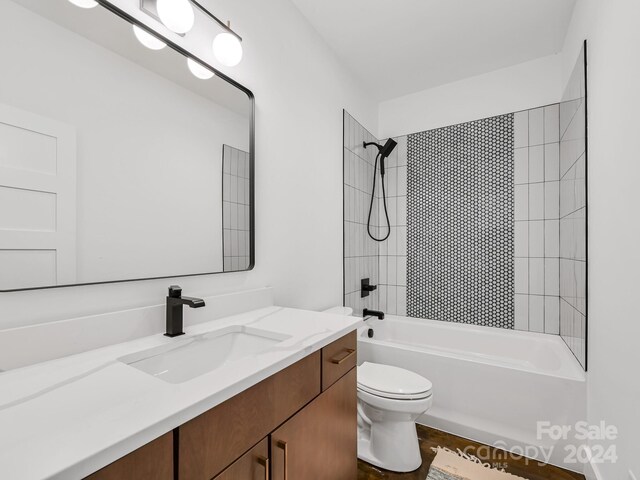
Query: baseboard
{"points": [[591, 470], [481, 434]]}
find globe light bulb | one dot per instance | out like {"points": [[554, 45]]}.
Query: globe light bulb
{"points": [[177, 15], [84, 3], [227, 49], [198, 70], [148, 40]]}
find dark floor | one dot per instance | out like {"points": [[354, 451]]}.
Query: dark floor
{"points": [[429, 437]]}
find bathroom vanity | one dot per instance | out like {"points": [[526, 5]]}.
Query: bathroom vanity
{"points": [[284, 411], [305, 415]]}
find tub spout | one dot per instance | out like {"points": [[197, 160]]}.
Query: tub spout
{"points": [[373, 313]]}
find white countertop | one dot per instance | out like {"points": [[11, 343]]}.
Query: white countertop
{"points": [[69, 417]]}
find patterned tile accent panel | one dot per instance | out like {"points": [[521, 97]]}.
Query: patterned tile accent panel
{"points": [[537, 225], [235, 209], [460, 223], [360, 252], [573, 213]]}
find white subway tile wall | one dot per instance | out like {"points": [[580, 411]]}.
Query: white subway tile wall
{"points": [[393, 255], [536, 216], [236, 241], [573, 214], [360, 251]]}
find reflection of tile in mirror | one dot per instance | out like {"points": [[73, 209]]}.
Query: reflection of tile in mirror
{"points": [[236, 208]]}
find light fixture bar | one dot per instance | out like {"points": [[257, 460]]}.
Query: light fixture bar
{"points": [[216, 19]]}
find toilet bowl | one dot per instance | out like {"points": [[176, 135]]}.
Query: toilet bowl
{"points": [[390, 399]]}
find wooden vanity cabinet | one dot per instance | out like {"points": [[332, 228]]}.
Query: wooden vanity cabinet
{"points": [[298, 424]]}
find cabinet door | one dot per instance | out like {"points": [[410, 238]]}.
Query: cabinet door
{"points": [[320, 441], [211, 442], [253, 465]]}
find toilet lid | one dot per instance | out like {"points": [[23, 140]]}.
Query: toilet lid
{"points": [[392, 382]]}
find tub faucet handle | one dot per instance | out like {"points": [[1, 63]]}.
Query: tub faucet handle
{"points": [[366, 287]]}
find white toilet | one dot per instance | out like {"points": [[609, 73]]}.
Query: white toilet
{"points": [[390, 399]]}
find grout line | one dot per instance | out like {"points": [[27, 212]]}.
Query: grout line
{"points": [[544, 223], [571, 166], [528, 218], [575, 211], [562, 134]]}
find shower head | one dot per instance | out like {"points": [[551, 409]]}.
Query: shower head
{"points": [[385, 150], [388, 148]]}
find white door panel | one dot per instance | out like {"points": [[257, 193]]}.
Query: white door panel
{"points": [[38, 201]]}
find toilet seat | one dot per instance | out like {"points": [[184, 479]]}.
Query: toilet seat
{"points": [[393, 383]]}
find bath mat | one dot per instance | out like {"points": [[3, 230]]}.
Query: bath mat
{"points": [[449, 465]]}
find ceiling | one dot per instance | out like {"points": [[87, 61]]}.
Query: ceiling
{"points": [[397, 47]]}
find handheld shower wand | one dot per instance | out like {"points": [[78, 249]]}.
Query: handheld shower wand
{"points": [[383, 153]]}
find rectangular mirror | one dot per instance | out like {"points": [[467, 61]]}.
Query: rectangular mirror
{"points": [[116, 163]]}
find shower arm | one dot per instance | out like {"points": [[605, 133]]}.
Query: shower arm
{"points": [[368, 144]]}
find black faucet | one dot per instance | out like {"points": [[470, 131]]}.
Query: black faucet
{"points": [[373, 313], [175, 301]]}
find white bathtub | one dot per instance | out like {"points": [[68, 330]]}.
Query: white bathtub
{"points": [[491, 385]]}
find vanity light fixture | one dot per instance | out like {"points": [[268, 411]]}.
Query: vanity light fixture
{"points": [[84, 3], [198, 70], [177, 15], [227, 46], [148, 40], [227, 49]]}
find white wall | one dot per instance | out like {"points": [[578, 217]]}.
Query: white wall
{"points": [[611, 28], [520, 87], [300, 90]]}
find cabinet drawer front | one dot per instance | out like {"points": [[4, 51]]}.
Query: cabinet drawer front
{"points": [[211, 442], [154, 461], [253, 465], [338, 358]]}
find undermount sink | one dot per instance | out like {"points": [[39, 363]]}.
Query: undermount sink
{"points": [[187, 358]]}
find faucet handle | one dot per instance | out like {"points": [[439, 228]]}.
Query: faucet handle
{"points": [[175, 291]]}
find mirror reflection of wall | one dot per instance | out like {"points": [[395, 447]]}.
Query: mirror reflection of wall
{"points": [[105, 174]]}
